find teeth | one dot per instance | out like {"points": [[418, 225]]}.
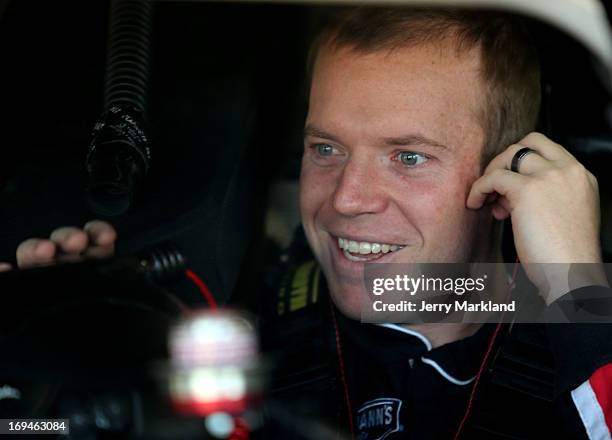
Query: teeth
{"points": [[352, 257], [365, 248]]}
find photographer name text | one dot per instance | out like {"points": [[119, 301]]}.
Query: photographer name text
{"points": [[447, 308]]}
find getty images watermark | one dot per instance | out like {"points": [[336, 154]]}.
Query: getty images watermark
{"points": [[485, 292]]}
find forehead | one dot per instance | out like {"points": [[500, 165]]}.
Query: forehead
{"points": [[427, 88]]}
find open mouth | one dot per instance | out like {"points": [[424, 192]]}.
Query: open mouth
{"points": [[359, 251]]}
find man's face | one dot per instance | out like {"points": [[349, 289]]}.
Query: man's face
{"points": [[393, 142]]}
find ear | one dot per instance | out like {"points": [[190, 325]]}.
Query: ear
{"points": [[489, 236]]}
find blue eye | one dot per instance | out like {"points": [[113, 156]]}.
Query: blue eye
{"points": [[411, 159], [325, 155], [325, 149]]}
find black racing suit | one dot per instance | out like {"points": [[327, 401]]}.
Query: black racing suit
{"points": [[332, 373]]}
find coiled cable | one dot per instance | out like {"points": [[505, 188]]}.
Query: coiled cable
{"points": [[119, 153]]}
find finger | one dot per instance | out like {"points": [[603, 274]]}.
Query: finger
{"points": [[531, 163], [100, 233], [500, 213], [35, 251], [102, 237], [5, 267], [541, 145], [545, 147], [503, 182], [100, 251], [70, 239]]}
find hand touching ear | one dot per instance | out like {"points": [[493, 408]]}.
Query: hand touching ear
{"points": [[552, 201]]}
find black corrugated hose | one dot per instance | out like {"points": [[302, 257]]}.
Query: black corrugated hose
{"points": [[119, 154]]}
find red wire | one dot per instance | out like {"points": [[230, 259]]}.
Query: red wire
{"points": [[476, 382], [241, 431], [342, 373], [210, 299], [468, 409], [473, 393]]}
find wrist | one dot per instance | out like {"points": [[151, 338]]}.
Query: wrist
{"points": [[560, 279]]}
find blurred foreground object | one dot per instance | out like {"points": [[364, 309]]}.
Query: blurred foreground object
{"points": [[215, 369]]}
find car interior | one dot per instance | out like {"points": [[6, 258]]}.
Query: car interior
{"points": [[227, 100]]}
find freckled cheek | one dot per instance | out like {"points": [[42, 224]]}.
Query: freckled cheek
{"points": [[430, 203], [316, 185]]}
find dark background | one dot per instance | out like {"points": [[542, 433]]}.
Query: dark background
{"points": [[226, 110]]}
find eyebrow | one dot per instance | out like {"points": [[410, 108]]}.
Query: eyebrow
{"points": [[407, 140], [414, 139], [313, 131]]}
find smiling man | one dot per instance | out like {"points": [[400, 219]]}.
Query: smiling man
{"points": [[414, 152], [417, 125], [394, 140]]}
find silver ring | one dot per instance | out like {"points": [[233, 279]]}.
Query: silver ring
{"points": [[518, 157]]}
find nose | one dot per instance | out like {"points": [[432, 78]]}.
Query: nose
{"points": [[359, 190]]}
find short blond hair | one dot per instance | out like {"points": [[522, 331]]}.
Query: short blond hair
{"points": [[511, 69]]}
